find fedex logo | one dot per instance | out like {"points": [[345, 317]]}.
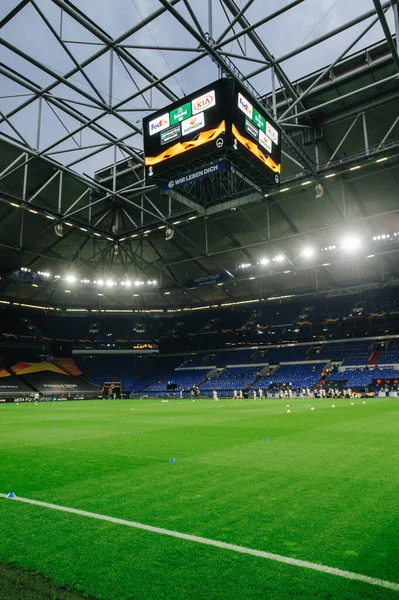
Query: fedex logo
{"points": [[203, 102], [245, 106], [159, 124]]}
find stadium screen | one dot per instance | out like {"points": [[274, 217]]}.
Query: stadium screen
{"points": [[185, 130], [255, 134], [219, 120]]}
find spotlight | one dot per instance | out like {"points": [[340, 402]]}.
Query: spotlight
{"points": [[128, 283], [70, 278], [279, 258], [307, 252], [100, 282], [264, 261], [350, 243], [110, 283]]}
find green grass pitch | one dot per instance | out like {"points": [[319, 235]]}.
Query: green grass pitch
{"points": [[323, 488]]}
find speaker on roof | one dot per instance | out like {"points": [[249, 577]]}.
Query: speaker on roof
{"points": [[319, 189], [169, 233], [58, 229]]}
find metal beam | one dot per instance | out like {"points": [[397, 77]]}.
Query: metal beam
{"points": [[327, 70], [387, 32]]}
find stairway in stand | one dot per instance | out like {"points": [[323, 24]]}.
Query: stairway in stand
{"points": [[375, 357]]}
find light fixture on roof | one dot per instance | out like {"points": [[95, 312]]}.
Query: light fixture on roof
{"points": [[34, 212], [110, 283], [15, 205], [306, 183], [264, 261], [380, 160], [50, 217], [244, 266], [100, 282], [307, 252], [330, 175], [355, 168], [82, 229], [284, 190], [350, 243], [69, 224], [70, 278], [279, 258]]}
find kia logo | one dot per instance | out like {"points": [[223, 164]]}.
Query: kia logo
{"points": [[203, 102]]}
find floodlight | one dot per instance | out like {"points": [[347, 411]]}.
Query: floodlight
{"points": [[110, 283], [70, 278], [307, 252], [264, 261], [350, 243]]}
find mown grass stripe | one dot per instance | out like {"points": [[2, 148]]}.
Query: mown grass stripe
{"points": [[224, 545]]}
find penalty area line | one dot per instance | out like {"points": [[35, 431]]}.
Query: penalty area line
{"points": [[223, 545]]}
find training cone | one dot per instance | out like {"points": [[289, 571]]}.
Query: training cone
{"points": [[11, 495], [136, 432], [265, 439], [172, 460], [53, 427]]}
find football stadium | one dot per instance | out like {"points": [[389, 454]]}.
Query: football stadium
{"points": [[199, 299]]}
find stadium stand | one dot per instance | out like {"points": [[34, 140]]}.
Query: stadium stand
{"points": [[351, 353], [295, 376], [361, 378]]}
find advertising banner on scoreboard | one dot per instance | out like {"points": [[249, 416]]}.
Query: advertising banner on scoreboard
{"points": [[205, 171], [186, 130], [255, 134]]}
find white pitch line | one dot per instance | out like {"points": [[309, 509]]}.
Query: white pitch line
{"points": [[200, 540]]}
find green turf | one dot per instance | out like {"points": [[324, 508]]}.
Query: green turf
{"points": [[323, 488]]}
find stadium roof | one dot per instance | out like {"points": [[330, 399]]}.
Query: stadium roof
{"points": [[73, 199]]}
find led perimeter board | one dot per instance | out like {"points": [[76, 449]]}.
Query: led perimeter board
{"points": [[218, 121]]}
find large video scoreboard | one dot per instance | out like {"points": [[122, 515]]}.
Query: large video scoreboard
{"points": [[185, 130], [255, 135], [219, 121]]}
